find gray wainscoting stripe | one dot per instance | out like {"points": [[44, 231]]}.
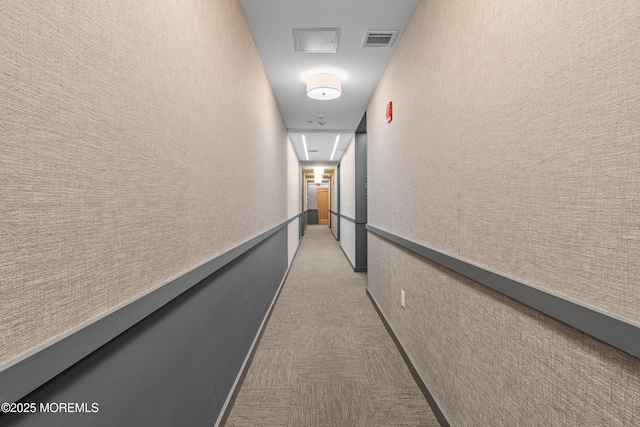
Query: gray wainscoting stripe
{"points": [[618, 333], [20, 379], [355, 221], [361, 247], [442, 419]]}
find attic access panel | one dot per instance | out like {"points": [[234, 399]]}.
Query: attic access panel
{"points": [[316, 40]]}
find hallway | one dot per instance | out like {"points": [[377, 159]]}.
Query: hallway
{"points": [[160, 160], [325, 358]]}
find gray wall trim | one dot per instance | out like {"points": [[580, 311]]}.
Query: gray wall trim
{"points": [[305, 221], [355, 221], [433, 403], [290, 220], [26, 375], [347, 218], [616, 332], [361, 248], [361, 196], [360, 142]]}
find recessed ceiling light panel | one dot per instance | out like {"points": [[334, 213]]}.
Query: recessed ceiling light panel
{"points": [[316, 40]]}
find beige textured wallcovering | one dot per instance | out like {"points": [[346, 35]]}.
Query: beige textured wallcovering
{"points": [[294, 173], [348, 201], [348, 181], [491, 361], [294, 199], [132, 138], [348, 239], [515, 143]]}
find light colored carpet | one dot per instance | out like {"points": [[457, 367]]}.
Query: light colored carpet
{"points": [[325, 358]]}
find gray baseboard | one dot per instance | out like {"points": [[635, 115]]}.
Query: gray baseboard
{"points": [[442, 419]]}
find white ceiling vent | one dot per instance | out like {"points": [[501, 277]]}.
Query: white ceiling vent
{"points": [[379, 38]]}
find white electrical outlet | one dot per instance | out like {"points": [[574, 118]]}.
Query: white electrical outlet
{"points": [[402, 296]]}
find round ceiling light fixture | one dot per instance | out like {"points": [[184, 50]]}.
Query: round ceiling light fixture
{"points": [[324, 86], [324, 83]]}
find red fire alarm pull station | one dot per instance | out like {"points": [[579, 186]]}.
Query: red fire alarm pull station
{"points": [[389, 112]]}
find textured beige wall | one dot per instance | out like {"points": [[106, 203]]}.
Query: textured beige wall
{"points": [[515, 145], [348, 181], [133, 134], [294, 180], [334, 224], [521, 121], [348, 201], [348, 239], [294, 199]]}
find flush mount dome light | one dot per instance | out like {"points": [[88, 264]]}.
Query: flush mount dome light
{"points": [[324, 86], [324, 83]]}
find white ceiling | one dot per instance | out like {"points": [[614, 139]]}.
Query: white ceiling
{"points": [[272, 23]]}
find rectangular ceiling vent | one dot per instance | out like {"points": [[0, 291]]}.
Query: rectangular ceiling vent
{"points": [[379, 38]]}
